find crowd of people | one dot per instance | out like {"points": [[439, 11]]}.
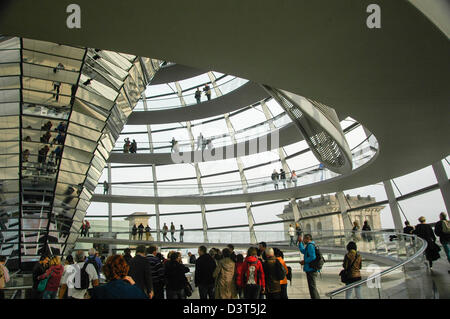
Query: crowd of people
{"points": [[219, 274]]}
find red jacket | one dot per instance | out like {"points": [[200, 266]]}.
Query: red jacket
{"points": [[252, 261], [53, 283], [238, 272]]}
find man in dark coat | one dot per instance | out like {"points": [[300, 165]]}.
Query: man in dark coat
{"points": [[157, 272], [204, 269], [425, 232], [141, 271], [38, 269]]}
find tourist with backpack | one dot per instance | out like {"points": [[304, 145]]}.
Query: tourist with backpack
{"points": [[94, 260], [308, 249], [351, 273], [442, 230], [274, 272], [82, 277], [283, 283], [49, 281], [253, 280]]}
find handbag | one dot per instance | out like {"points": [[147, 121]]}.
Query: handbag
{"points": [[187, 288], [345, 274], [43, 283]]}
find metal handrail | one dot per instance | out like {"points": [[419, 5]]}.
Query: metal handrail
{"points": [[385, 272]]}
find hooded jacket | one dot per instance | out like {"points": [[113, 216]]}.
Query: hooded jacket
{"points": [[348, 260], [56, 272], [224, 273], [258, 272]]}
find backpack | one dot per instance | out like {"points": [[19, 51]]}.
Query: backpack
{"points": [[289, 273], [94, 263], [445, 227], [317, 263], [280, 272], [84, 277], [250, 275]]}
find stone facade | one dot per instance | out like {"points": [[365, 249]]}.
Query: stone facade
{"points": [[317, 214]]}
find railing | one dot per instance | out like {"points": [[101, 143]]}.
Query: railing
{"points": [[362, 154], [189, 96], [406, 279], [222, 140]]}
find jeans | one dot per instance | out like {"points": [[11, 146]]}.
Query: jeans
{"points": [[348, 293], [252, 291], [49, 295], [311, 278], [205, 291], [176, 294], [284, 291], [140, 236], [292, 243], [173, 237], [158, 289], [165, 237], [446, 246], [181, 238]]}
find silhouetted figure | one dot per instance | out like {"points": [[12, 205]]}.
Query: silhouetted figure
{"points": [[207, 91]]}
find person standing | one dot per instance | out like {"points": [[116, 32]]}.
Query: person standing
{"points": [[283, 177], [225, 285], [88, 227], [442, 230], [181, 233], [192, 258], [204, 269], [172, 231], [55, 273], [207, 91], [39, 268], [252, 279], [408, 228], [366, 228], [83, 229], [199, 142], [4, 276], [294, 178], [120, 285], [355, 231], [307, 248], [133, 147], [283, 283], [105, 188], [147, 232], [239, 263], [134, 231], [94, 260], [291, 235], [273, 274], [352, 265], [140, 231], [274, 178], [127, 255], [425, 232], [141, 271], [262, 251], [198, 95], [157, 272], [233, 254], [165, 229], [174, 271], [298, 232]]}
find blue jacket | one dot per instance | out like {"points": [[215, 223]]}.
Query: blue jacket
{"points": [[310, 254], [118, 289]]}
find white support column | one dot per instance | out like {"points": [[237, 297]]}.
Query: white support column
{"points": [[343, 207], [109, 209], [443, 182], [155, 180], [197, 168], [295, 210], [240, 165], [393, 205]]}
